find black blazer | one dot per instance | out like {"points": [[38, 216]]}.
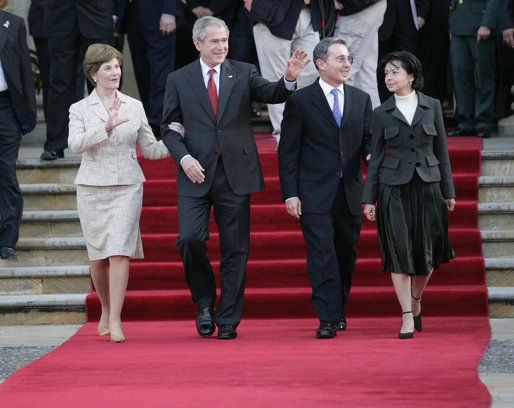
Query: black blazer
{"points": [[93, 18], [399, 149], [17, 68], [313, 149], [186, 101], [399, 13]]}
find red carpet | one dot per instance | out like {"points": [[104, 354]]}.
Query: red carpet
{"points": [[277, 284], [273, 363], [277, 363]]}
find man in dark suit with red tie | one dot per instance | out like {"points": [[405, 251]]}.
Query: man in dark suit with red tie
{"points": [[218, 166], [326, 130], [17, 117]]}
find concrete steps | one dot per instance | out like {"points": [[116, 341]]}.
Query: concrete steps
{"points": [[496, 223], [50, 281]]}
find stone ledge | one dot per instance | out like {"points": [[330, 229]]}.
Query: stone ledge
{"points": [[71, 162], [42, 301], [50, 215], [51, 243], [45, 271], [499, 235], [499, 263], [495, 181], [497, 154], [48, 188], [501, 294], [495, 208]]}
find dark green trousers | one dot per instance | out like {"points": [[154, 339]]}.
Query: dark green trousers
{"points": [[474, 70]]}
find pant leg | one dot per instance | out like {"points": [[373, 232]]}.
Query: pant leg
{"points": [[484, 61], [160, 52], [360, 31], [64, 54], [11, 200], [193, 220], [322, 267], [232, 216], [463, 81], [347, 228], [273, 53]]}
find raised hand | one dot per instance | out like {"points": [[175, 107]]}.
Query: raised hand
{"points": [[296, 64], [113, 120]]}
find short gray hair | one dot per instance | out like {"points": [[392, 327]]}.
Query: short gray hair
{"points": [[202, 23], [321, 49]]}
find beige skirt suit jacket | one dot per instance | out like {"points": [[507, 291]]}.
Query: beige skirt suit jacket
{"points": [[110, 180]]}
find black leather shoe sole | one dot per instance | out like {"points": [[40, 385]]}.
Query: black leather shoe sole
{"points": [[227, 332], [51, 155]]}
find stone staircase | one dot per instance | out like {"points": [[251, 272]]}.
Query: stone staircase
{"points": [[496, 222], [49, 282]]}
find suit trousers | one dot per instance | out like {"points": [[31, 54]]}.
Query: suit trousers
{"points": [[273, 53], [153, 57], [360, 31], [232, 216], [65, 55], [330, 240], [11, 200], [474, 77]]}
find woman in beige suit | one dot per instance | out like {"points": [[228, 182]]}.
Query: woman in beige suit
{"points": [[105, 128]]}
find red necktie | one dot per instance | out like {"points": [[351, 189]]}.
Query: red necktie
{"points": [[213, 94]]}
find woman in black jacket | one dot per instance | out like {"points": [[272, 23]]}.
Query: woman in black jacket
{"points": [[410, 179]]}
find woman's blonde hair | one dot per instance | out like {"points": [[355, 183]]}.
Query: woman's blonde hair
{"points": [[95, 56]]}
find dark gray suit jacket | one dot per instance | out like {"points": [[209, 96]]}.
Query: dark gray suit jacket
{"points": [[17, 68], [313, 149], [399, 149], [186, 101]]}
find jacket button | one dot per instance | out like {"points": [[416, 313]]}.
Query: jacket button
{"points": [[411, 136], [418, 164], [412, 149]]}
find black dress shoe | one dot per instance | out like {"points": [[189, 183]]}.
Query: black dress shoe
{"points": [[460, 132], [484, 134], [326, 330], [8, 253], [51, 155], [227, 332], [205, 322], [341, 325]]}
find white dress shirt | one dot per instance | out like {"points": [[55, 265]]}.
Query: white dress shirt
{"points": [[3, 82]]}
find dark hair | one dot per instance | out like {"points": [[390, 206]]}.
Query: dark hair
{"points": [[321, 49], [408, 62]]}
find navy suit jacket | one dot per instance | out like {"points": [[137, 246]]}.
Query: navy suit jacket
{"points": [[313, 149], [17, 68], [186, 101]]}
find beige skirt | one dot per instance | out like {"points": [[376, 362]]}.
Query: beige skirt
{"points": [[109, 217]]}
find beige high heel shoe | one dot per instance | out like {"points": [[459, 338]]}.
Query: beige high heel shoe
{"points": [[117, 339], [103, 331]]}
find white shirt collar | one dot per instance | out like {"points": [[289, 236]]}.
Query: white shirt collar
{"points": [[328, 88], [206, 68]]}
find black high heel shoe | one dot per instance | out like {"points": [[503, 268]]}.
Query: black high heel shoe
{"points": [[417, 319], [408, 335]]}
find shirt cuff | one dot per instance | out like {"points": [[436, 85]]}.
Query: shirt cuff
{"points": [[182, 159], [290, 85]]}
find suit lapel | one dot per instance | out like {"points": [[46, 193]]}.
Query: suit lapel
{"points": [[320, 102], [197, 84], [97, 106], [390, 105], [420, 109], [3, 29], [227, 80]]}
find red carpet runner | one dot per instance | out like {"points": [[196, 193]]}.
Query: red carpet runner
{"points": [[277, 284], [276, 361]]}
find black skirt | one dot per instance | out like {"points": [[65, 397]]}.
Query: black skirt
{"points": [[412, 225]]}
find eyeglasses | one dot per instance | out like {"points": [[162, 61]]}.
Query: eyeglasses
{"points": [[348, 59]]}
